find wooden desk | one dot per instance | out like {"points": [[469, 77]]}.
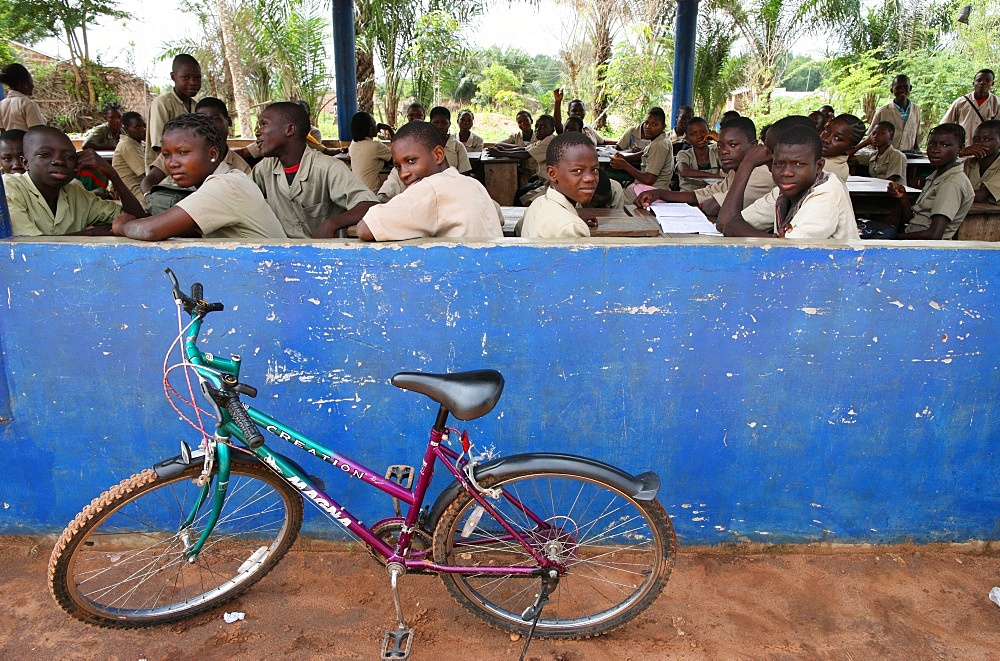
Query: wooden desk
{"points": [[981, 224], [870, 199], [918, 168], [499, 176], [610, 222]]}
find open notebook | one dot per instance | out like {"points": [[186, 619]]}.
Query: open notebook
{"points": [[680, 218]]}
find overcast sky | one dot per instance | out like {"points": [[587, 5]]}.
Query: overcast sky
{"points": [[137, 43]]}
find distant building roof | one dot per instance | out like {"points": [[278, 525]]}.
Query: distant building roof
{"points": [[31, 56]]}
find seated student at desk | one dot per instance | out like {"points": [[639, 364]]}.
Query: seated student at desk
{"points": [[608, 195], [313, 194], [983, 167], [45, 201], [678, 134], [698, 165], [393, 185], [840, 140], [130, 155], [532, 155], [634, 139], [12, 151], [575, 109], [470, 140], [573, 125], [806, 203], [573, 173], [525, 133], [736, 138], [105, 136], [887, 162], [368, 155], [437, 202], [947, 195], [225, 203], [454, 150], [656, 159]]}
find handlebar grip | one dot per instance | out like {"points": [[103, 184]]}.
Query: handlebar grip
{"points": [[254, 438], [215, 307], [197, 292]]}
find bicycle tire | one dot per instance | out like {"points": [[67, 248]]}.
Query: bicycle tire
{"points": [[588, 519], [121, 562]]}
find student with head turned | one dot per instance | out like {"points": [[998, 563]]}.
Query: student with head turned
{"points": [[634, 139], [982, 166], [819, 119], [678, 134], [185, 72], [656, 160], [532, 155], [806, 202], [698, 165], [437, 202], [575, 109], [947, 195], [225, 203], [903, 114], [368, 155], [525, 133], [978, 106], [12, 151], [828, 112], [313, 194], [104, 137], [736, 138], [454, 150], [415, 112], [840, 140], [573, 173], [17, 110], [471, 141], [45, 201], [887, 162], [216, 110], [130, 154]]}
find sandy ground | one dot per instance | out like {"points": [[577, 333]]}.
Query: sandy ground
{"points": [[326, 602]]}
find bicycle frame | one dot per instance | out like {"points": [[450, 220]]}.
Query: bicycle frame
{"points": [[208, 366]]}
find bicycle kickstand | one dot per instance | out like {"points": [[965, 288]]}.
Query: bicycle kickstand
{"points": [[397, 643], [549, 583]]}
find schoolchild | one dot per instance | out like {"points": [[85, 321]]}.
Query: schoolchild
{"points": [[573, 174]]}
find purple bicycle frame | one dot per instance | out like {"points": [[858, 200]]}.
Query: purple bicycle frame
{"points": [[434, 452]]}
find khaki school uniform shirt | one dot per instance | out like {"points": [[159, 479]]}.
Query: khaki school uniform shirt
{"points": [[592, 133], [537, 151], [826, 213], [474, 143], [103, 135], [990, 179], [632, 139], [517, 139], [907, 135], [446, 204], [759, 185], [658, 159], [890, 165], [76, 208], [229, 206], [322, 187], [163, 108], [130, 163], [837, 166], [367, 159], [962, 112], [457, 157], [18, 111], [392, 186], [948, 194], [552, 216], [690, 159]]}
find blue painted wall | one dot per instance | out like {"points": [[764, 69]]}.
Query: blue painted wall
{"points": [[784, 394]]}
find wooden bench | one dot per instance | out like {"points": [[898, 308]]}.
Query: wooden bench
{"points": [[982, 223]]}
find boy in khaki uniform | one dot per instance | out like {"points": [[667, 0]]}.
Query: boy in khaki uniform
{"points": [[887, 162], [313, 194], [437, 202], [368, 155], [979, 106], [46, 201], [806, 202], [656, 159], [947, 195], [130, 154], [983, 166], [186, 74], [525, 133], [573, 175], [454, 150], [532, 155], [903, 114]]}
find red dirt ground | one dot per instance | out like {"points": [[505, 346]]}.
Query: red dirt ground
{"points": [[326, 602]]}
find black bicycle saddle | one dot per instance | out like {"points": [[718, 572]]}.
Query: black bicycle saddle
{"points": [[466, 395]]}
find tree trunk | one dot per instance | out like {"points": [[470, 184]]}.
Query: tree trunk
{"points": [[602, 57], [365, 63], [236, 73]]}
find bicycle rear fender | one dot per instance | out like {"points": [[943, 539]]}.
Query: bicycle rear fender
{"points": [[641, 487]]}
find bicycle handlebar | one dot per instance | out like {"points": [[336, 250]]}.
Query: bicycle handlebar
{"points": [[249, 430], [192, 304]]}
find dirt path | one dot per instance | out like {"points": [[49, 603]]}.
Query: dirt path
{"points": [[329, 603]]}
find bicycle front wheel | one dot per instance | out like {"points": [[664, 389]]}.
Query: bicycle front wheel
{"points": [[123, 562], [618, 553]]}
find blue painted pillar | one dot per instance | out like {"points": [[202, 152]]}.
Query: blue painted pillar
{"points": [[5, 227], [5, 232], [684, 38], [344, 65]]}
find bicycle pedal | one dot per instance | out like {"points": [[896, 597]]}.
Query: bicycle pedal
{"points": [[403, 476], [397, 644]]}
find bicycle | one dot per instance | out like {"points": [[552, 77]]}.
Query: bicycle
{"points": [[545, 544]]}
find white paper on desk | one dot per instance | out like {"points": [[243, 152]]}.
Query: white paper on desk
{"points": [[475, 154], [681, 218]]}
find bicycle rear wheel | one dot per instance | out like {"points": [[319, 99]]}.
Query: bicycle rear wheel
{"points": [[122, 561], [618, 552]]}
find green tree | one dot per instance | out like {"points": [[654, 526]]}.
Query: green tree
{"points": [[636, 78], [716, 71], [435, 43], [496, 79]]}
